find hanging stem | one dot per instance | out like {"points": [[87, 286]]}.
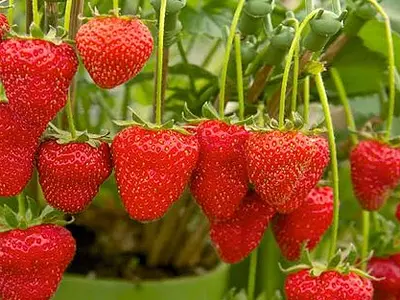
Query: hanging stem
{"points": [[11, 11], [365, 245], [296, 67], [334, 163], [228, 49], [160, 59], [392, 66], [21, 204], [252, 275], [345, 102], [239, 78], [35, 10], [67, 17], [289, 59], [306, 96], [211, 53], [116, 8]]}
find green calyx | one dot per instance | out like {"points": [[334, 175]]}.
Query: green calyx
{"points": [[55, 35], [369, 133], [10, 220], [65, 137]]}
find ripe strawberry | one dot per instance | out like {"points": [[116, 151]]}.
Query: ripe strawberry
{"points": [[330, 285], [18, 144], [4, 26], [71, 174], [388, 272], [237, 237], [32, 261], [375, 171], [220, 181], [36, 75], [152, 168], [114, 50], [306, 224], [285, 166]]}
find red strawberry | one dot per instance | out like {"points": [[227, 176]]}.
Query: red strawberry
{"points": [[18, 144], [32, 261], [237, 237], [4, 25], [388, 273], [152, 168], [114, 50], [306, 224], [380, 295], [330, 285], [36, 75], [220, 181], [375, 171], [285, 166], [71, 174]]}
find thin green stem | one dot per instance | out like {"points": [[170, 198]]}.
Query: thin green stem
{"points": [[70, 116], [35, 11], [211, 53], [392, 67], [296, 68], [306, 96], [116, 7], [228, 49], [21, 204], [309, 6], [160, 59], [337, 9], [334, 163], [289, 59], [365, 230], [252, 274], [345, 102], [268, 24], [239, 76], [11, 11], [67, 17]]}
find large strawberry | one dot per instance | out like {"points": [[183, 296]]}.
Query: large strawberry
{"points": [[237, 237], [330, 285], [32, 261], [220, 180], [285, 166], [375, 172], [152, 168], [71, 174], [18, 144], [36, 75], [388, 273], [4, 26], [114, 49], [307, 224]]}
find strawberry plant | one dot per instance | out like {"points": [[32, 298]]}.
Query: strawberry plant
{"points": [[151, 149]]}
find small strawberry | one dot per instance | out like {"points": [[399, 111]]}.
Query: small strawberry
{"points": [[220, 181], [152, 168], [330, 285], [114, 49], [306, 224], [285, 166], [18, 144], [388, 273], [71, 174], [237, 237], [36, 75], [4, 25], [375, 172], [32, 261]]}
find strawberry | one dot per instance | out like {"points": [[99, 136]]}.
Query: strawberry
{"points": [[388, 273], [285, 166], [305, 225], [237, 237], [375, 172], [330, 285], [32, 261], [18, 144], [114, 50], [152, 168], [36, 75], [4, 25], [220, 181], [71, 174]]}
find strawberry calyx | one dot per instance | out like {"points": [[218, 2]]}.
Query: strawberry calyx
{"points": [[385, 237], [33, 216], [368, 133], [65, 137]]}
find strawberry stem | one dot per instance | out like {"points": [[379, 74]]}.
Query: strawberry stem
{"points": [[392, 67], [345, 102], [252, 274], [116, 8], [21, 204], [228, 49], [306, 95], [239, 76], [365, 245], [11, 11], [334, 163], [288, 63], [67, 17], [296, 67], [35, 11], [70, 116]]}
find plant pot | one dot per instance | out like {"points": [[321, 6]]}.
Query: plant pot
{"points": [[210, 286]]}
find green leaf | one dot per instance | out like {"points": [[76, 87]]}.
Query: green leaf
{"points": [[10, 217]]}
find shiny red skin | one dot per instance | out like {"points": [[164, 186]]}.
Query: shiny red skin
{"points": [[18, 144], [32, 261], [307, 224], [4, 25], [36, 75], [285, 166], [237, 237], [388, 272], [71, 175], [220, 179], [152, 168], [114, 50], [375, 172], [330, 285]]}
